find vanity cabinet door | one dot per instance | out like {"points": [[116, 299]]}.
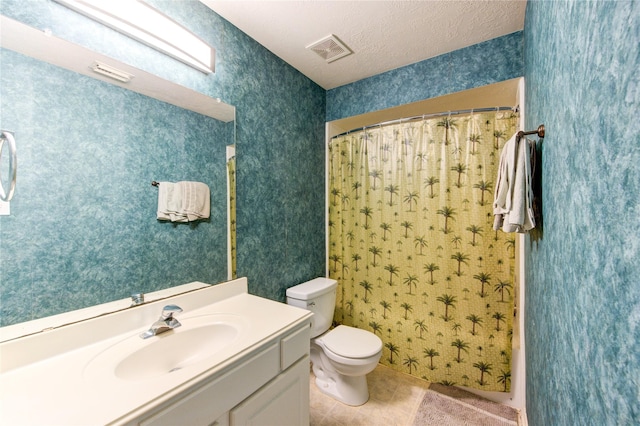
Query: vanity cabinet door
{"points": [[282, 402], [222, 420], [205, 406]]}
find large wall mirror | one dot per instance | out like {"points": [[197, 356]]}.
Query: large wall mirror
{"points": [[82, 228]]}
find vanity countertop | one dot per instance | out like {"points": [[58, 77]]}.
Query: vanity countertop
{"points": [[44, 378]]}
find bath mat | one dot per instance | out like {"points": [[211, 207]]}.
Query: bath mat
{"points": [[450, 406]]}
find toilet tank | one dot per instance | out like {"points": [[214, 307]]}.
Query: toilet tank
{"points": [[317, 296]]}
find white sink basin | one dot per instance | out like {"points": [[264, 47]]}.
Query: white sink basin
{"points": [[136, 359], [173, 351]]}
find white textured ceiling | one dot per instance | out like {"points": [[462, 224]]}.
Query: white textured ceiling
{"points": [[383, 35]]}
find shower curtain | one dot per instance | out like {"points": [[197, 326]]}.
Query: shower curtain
{"points": [[412, 247]]}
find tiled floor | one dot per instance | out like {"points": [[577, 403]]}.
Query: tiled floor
{"points": [[393, 400]]}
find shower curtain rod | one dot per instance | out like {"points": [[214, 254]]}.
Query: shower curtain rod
{"points": [[437, 114]]}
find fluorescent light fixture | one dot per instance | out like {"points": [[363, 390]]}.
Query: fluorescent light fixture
{"points": [[109, 71], [140, 21]]}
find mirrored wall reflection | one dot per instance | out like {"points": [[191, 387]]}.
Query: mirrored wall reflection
{"points": [[83, 229]]}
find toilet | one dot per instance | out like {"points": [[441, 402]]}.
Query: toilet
{"points": [[342, 357]]}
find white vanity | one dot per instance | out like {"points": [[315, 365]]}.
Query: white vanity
{"points": [[237, 359]]}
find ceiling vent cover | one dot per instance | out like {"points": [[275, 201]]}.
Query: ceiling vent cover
{"points": [[330, 48]]}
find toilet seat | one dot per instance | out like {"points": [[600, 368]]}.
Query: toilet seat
{"points": [[351, 342]]}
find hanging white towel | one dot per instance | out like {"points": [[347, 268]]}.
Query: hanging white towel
{"points": [[162, 200], [513, 197], [506, 176], [169, 201], [196, 200], [183, 201]]}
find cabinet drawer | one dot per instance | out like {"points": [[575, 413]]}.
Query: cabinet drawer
{"points": [[210, 401], [295, 346]]}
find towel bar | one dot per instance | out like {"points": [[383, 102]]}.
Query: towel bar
{"points": [[13, 165], [539, 132]]}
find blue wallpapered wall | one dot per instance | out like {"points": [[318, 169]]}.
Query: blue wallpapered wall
{"points": [[484, 63], [280, 201], [583, 294]]}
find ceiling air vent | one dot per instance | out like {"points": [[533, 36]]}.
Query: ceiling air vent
{"points": [[330, 48]]}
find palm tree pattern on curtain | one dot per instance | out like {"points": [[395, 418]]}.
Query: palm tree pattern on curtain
{"points": [[412, 246]]}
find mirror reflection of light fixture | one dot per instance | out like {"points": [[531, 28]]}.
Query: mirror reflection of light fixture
{"points": [[142, 22]]}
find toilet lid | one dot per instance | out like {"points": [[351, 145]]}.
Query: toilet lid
{"points": [[351, 342]]}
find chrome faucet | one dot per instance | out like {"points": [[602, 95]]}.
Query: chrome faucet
{"points": [[137, 299], [165, 323]]}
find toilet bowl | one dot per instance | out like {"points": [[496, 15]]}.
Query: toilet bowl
{"points": [[341, 368], [341, 357]]}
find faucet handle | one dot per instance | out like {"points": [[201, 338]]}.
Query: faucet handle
{"points": [[137, 299], [169, 310]]}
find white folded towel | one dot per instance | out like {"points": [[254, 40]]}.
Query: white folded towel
{"points": [[196, 200], [174, 201], [183, 201], [169, 202], [513, 197]]}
